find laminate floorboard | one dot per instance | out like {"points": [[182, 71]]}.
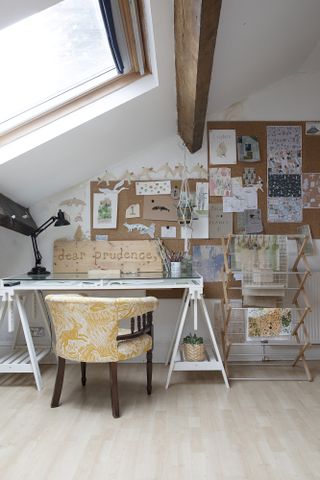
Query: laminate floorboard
{"points": [[197, 429]]}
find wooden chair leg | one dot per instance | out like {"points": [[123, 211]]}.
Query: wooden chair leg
{"points": [[149, 372], [114, 389], [83, 373], [59, 382]]}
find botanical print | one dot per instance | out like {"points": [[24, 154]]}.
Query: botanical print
{"points": [[284, 185], [248, 252], [208, 261], [153, 188], [284, 210], [220, 181], [269, 322], [312, 128], [311, 190], [248, 148], [220, 223], [222, 147], [105, 208], [284, 147]]}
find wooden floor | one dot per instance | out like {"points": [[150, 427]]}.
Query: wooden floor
{"points": [[195, 430]]}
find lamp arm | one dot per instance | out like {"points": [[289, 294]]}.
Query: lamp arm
{"points": [[37, 254], [44, 226]]}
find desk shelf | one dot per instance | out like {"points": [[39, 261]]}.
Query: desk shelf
{"points": [[211, 363], [18, 360]]}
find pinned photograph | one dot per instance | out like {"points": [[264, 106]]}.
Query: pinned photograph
{"points": [[104, 212]]}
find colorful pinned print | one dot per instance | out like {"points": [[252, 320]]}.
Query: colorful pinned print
{"points": [[269, 322], [153, 188], [284, 210], [284, 185], [208, 261], [220, 182], [311, 190], [105, 208], [284, 146], [248, 148], [222, 147]]}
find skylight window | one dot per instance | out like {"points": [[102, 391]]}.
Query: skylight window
{"points": [[51, 58]]}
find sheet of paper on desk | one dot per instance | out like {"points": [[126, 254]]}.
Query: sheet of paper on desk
{"points": [[243, 198]]}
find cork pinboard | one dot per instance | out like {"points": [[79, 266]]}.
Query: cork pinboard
{"points": [[310, 164]]}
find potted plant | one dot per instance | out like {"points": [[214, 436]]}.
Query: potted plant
{"points": [[193, 348]]}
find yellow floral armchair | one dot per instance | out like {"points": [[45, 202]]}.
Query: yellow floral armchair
{"points": [[87, 330]]}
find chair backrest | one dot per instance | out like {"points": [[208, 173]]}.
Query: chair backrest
{"points": [[86, 328]]}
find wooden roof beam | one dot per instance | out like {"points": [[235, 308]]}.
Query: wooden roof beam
{"points": [[195, 24], [15, 216]]}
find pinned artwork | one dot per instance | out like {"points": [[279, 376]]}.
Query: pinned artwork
{"points": [[133, 211], [253, 221], [199, 171], [284, 150], [105, 208], [202, 199], [284, 210], [312, 128], [311, 190], [168, 232], [243, 198], [249, 176], [142, 229], [269, 322], [160, 207], [153, 188], [107, 177], [220, 181], [128, 177], [208, 261], [220, 223], [284, 185], [248, 148], [222, 147]]}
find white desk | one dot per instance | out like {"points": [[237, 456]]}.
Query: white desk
{"points": [[28, 360]]}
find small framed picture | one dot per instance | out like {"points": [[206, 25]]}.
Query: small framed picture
{"points": [[312, 128], [104, 210]]}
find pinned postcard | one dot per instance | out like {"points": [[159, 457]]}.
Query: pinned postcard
{"points": [[248, 148], [220, 182], [311, 190], [220, 223], [160, 207], [312, 128], [222, 147], [168, 232], [253, 221], [133, 211], [104, 212], [243, 198], [202, 199], [162, 187]]}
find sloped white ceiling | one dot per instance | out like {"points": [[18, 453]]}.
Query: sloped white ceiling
{"points": [[258, 43], [12, 11]]}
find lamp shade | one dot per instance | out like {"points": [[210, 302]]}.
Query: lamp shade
{"points": [[61, 220]]}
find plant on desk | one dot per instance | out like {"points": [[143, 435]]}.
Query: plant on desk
{"points": [[193, 348]]}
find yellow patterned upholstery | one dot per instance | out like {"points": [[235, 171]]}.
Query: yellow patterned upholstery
{"points": [[87, 327]]}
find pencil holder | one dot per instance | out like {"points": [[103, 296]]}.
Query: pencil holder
{"points": [[175, 268]]}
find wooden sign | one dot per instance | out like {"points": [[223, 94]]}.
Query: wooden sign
{"points": [[126, 256]]}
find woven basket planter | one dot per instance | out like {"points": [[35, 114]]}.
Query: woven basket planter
{"points": [[194, 353]]}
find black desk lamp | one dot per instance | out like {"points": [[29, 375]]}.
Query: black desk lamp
{"points": [[60, 221]]}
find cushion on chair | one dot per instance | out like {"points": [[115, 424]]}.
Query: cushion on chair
{"points": [[134, 347]]}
